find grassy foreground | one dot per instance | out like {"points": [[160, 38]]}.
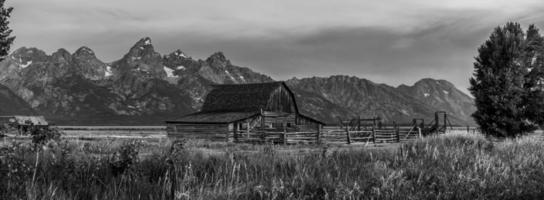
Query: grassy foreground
{"points": [[454, 166]]}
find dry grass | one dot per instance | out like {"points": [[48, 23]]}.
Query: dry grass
{"points": [[451, 166]]}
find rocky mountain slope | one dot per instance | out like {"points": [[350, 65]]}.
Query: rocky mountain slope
{"points": [[11, 104], [145, 87], [363, 98], [443, 95]]}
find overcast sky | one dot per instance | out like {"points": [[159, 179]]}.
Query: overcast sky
{"points": [[386, 41]]}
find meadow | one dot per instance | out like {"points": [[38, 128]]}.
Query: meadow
{"points": [[450, 166]]}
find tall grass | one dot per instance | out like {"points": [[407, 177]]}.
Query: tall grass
{"points": [[454, 166]]}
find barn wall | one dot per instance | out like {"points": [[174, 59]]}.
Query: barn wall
{"points": [[293, 121], [305, 124], [213, 132], [276, 120]]}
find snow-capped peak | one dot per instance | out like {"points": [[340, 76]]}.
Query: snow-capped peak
{"points": [[181, 67], [147, 41], [169, 72], [28, 63], [108, 71], [180, 54]]}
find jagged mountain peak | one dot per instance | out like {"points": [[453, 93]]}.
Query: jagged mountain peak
{"points": [[428, 86], [354, 80], [62, 51], [430, 81], [179, 53], [141, 59], [62, 56], [25, 55], [143, 49], [84, 51], [143, 43], [218, 58], [28, 50]]}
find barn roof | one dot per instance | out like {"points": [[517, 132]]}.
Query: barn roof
{"points": [[235, 102], [240, 97], [215, 118]]}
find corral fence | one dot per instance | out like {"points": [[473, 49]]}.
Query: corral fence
{"points": [[340, 135]]}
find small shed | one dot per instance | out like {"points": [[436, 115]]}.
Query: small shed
{"points": [[231, 110], [22, 123]]}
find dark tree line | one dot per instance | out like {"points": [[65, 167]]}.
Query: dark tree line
{"points": [[5, 32], [508, 81]]}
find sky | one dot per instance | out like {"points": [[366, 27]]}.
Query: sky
{"points": [[387, 41]]}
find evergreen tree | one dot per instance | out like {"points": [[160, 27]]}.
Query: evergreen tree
{"points": [[5, 32], [534, 85], [499, 83]]}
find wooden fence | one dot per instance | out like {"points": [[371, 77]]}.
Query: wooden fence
{"points": [[331, 135], [278, 137]]}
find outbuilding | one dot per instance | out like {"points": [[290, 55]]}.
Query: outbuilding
{"points": [[22, 123]]}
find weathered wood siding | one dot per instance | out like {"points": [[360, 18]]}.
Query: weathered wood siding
{"points": [[292, 121], [214, 132], [305, 124], [277, 120], [281, 101]]}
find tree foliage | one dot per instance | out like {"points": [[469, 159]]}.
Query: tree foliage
{"points": [[507, 81], [5, 32]]}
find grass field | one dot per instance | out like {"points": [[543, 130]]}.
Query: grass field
{"points": [[92, 132], [452, 166]]}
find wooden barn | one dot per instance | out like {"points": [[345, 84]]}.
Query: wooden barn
{"points": [[23, 123], [236, 111]]}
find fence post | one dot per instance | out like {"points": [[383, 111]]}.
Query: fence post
{"points": [[318, 136], [348, 136], [358, 123], [397, 131], [284, 133], [419, 131], [227, 136], [247, 129], [373, 135], [263, 136], [235, 132], [468, 130]]}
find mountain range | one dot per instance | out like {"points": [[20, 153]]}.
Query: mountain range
{"points": [[145, 87]]}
